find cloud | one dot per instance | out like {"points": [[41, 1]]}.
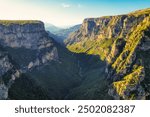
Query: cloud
{"points": [[64, 5]]}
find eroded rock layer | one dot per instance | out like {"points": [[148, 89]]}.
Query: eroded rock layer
{"points": [[122, 41]]}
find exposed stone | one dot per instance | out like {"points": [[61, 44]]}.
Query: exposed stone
{"points": [[3, 92], [5, 65], [120, 41], [29, 36]]}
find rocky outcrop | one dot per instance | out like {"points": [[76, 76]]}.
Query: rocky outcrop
{"points": [[27, 35], [23, 35], [123, 42], [107, 27], [44, 58], [5, 64], [3, 92]]}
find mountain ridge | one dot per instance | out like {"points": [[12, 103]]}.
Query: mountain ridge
{"points": [[35, 66], [118, 40], [61, 34]]}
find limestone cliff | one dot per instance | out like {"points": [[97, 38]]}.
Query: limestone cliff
{"points": [[17, 39], [28, 35], [123, 42]]}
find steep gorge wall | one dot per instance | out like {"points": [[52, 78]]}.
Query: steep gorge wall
{"points": [[120, 41], [23, 36]]}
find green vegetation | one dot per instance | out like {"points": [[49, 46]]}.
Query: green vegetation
{"points": [[26, 88], [81, 76], [93, 85], [20, 22], [22, 56], [69, 78], [140, 12], [146, 62], [130, 80], [120, 52], [54, 79], [133, 41], [93, 47], [126, 58]]}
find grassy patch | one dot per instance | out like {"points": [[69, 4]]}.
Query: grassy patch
{"points": [[20, 22]]}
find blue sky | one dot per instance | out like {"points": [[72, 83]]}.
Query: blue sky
{"points": [[67, 12]]}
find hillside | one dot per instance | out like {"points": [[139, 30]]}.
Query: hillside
{"points": [[34, 66], [52, 28], [64, 33], [61, 34], [123, 42]]}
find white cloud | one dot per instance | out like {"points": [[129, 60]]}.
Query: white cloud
{"points": [[64, 5]]}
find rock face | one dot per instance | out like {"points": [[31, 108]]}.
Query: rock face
{"points": [[3, 92], [27, 35], [123, 42], [23, 35], [5, 64], [44, 58]]}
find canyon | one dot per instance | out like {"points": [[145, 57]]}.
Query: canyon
{"points": [[104, 58]]}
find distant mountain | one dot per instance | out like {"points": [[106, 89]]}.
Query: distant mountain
{"points": [[61, 34], [52, 28], [64, 33]]}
